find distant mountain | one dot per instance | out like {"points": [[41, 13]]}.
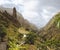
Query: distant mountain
{"points": [[23, 22]]}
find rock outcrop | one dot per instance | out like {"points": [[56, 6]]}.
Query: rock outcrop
{"points": [[14, 12]]}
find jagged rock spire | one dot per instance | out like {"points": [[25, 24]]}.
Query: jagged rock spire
{"points": [[14, 12]]}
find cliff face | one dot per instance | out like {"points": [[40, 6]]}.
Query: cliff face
{"points": [[14, 12]]}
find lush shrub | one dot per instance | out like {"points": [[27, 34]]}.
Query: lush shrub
{"points": [[30, 38]]}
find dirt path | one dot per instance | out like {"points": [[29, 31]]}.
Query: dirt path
{"points": [[3, 46]]}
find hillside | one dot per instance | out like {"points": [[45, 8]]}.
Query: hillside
{"points": [[13, 28], [23, 22], [51, 33], [16, 33]]}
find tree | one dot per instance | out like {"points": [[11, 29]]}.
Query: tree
{"points": [[2, 33], [30, 38]]}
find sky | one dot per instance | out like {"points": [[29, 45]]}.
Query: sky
{"points": [[39, 12]]}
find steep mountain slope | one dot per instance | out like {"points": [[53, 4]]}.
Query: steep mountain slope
{"points": [[21, 35], [23, 22], [51, 33], [13, 29]]}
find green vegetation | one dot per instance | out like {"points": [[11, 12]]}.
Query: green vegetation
{"points": [[14, 34], [21, 38], [51, 36], [58, 20], [30, 39]]}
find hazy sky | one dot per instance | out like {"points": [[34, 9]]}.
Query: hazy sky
{"points": [[38, 12]]}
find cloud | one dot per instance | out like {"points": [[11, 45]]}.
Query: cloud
{"points": [[29, 8], [16, 2], [30, 14], [1, 2], [11, 1], [30, 5], [38, 12], [48, 12], [4, 2]]}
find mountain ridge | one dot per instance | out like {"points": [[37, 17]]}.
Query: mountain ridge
{"points": [[19, 17]]}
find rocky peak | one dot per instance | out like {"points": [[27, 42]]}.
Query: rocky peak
{"points": [[14, 12]]}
